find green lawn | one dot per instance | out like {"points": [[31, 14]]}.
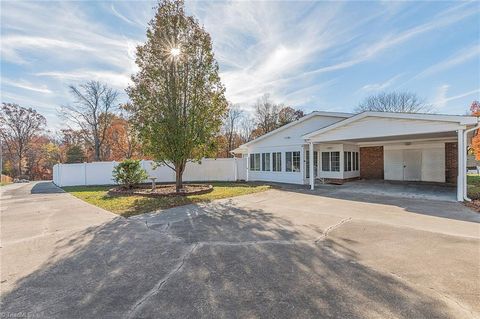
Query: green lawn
{"points": [[133, 205], [473, 186]]}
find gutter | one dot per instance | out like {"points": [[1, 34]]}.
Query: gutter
{"points": [[465, 155]]}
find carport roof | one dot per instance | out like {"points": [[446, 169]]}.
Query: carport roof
{"points": [[448, 119]]}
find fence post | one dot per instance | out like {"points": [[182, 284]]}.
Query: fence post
{"points": [[113, 167], [60, 174], [85, 173], [235, 169]]}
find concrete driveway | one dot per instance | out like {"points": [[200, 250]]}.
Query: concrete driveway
{"points": [[277, 254]]}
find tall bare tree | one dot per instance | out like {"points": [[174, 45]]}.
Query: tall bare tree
{"points": [[266, 114], [247, 126], [18, 127], [93, 104], [397, 102], [231, 126]]}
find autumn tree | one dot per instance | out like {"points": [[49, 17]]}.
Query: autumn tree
{"points": [[18, 127], [288, 114], [92, 103], [121, 140], [397, 102], [40, 157], [75, 154], [177, 97], [475, 147]]}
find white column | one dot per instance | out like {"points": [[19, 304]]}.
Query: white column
{"points": [[311, 165], [248, 165], [461, 172]]}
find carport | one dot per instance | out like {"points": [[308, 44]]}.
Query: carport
{"points": [[396, 147]]}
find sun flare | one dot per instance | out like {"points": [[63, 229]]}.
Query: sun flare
{"points": [[175, 52]]}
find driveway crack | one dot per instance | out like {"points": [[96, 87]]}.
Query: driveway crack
{"points": [[332, 228], [161, 283]]}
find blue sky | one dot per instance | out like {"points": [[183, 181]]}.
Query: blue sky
{"points": [[310, 55]]}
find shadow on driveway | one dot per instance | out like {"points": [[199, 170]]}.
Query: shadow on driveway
{"points": [[46, 188], [228, 262]]}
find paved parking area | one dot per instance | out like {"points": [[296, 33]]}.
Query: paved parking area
{"points": [[281, 253]]}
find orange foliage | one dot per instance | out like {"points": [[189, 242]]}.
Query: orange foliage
{"points": [[475, 109], [120, 141]]}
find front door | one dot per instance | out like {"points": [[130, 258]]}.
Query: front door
{"points": [[412, 165]]}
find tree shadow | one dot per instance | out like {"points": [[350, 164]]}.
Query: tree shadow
{"points": [[226, 262]]}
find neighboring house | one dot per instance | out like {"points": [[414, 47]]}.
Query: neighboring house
{"points": [[473, 165], [369, 145]]}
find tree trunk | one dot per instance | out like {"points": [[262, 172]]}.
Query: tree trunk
{"points": [[97, 150], [20, 158], [178, 177]]}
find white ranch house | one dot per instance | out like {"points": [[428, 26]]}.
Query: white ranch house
{"points": [[369, 145]]}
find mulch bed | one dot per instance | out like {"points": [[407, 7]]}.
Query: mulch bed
{"points": [[162, 190], [474, 204]]}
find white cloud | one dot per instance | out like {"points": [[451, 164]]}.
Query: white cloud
{"points": [[26, 85], [441, 20], [117, 80], [442, 100], [459, 57], [441, 96], [74, 39], [373, 87], [288, 49]]}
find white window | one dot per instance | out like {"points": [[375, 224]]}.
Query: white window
{"points": [[255, 162], [277, 161], [266, 162], [292, 161], [331, 161], [335, 161], [350, 161]]}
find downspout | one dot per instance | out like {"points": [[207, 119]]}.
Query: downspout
{"points": [[465, 155]]}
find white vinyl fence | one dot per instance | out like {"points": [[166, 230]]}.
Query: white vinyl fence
{"points": [[100, 173]]}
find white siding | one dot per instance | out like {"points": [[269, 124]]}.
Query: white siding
{"points": [[293, 135]]}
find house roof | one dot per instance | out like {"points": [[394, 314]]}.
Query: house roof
{"points": [[300, 120], [349, 118], [462, 120]]}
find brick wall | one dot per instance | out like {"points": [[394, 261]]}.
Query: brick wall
{"points": [[371, 162], [451, 162]]}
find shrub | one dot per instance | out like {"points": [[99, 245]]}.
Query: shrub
{"points": [[128, 173]]}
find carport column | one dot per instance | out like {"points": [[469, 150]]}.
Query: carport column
{"points": [[460, 172], [310, 167]]}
